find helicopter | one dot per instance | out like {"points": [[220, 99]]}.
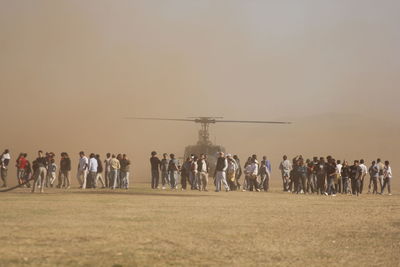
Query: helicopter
{"points": [[204, 144]]}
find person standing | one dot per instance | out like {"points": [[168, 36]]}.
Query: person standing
{"points": [[364, 171], [155, 167], [92, 167], [238, 173], [4, 161], [107, 170], [40, 172], [203, 172], [345, 173], [99, 176], [285, 167], [51, 171], [338, 182], [65, 168], [381, 168], [373, 174], [230, 172], [21, 164], [27, 172], [310, 183], [252, 172], [193, 174], [387, 178], [125, 165], [220, 172], [265, 173], [173, 169], [185, 170], [164, 171], [82, 170], [115, 166], [331, 173], [321, 174]]}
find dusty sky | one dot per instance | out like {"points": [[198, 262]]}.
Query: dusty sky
{"points": [[71, 70]]}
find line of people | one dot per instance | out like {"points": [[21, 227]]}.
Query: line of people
{"points": [[330, 176], [195, 172], [43, 171]]}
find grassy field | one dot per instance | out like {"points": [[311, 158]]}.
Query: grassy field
{"points": [[142, 227]]}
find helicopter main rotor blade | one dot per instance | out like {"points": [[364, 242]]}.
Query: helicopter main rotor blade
{"points": [[266, 122], [157, 119]]}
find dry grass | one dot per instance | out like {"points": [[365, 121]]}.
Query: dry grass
{"points": [[157, 228]]}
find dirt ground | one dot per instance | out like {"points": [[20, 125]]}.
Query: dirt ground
{"points": [[144, 227]]}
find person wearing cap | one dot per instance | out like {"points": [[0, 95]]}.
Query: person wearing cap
{"points": [[220, 172], [82, 170], [155, 170]]}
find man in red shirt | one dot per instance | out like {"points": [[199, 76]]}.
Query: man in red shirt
{"points": [[21, 168]]}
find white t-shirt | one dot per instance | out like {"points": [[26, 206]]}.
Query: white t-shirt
{"points": [[83, 162], [339, 168], [93, 165]]}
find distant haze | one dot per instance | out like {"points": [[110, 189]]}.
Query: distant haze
{"points": [[70, 71]]}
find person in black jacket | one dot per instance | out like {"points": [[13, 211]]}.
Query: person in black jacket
{"points": [[99, 175], [65, 168]]}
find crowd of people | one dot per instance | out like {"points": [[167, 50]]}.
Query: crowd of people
{"points": [[320, 176], [331, 176], [301, 176], [44, 172], [195, 172]]}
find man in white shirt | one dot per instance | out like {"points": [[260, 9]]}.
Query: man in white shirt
{"points": [[387, 177], [364, 171], [203, 173], [338, 184], [92, 167], [4, 161], [82, 169], [285, 167], [252, 172]]}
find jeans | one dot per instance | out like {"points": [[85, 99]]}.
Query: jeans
{"points": [[155, 177], [40, 174], [192, 178], [114, 178], [165, 178], [331, 185], [173, 178], [124, 179], [20, 175], [221, 178], [345, 181], [285, 181], [184, 179], [265, 181], [253, 182], [321, 183], [386, 181], [310, 184]]}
